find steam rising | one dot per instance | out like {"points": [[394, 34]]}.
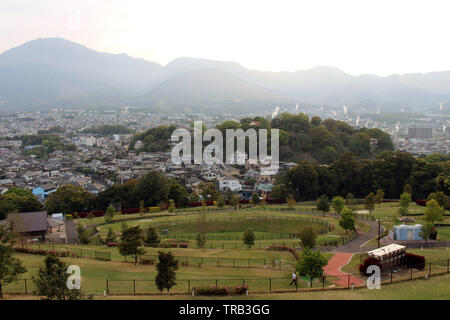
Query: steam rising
{"points": [[275, 113]]}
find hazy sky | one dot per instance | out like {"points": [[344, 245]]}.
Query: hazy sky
{"points": [[357, 36]]}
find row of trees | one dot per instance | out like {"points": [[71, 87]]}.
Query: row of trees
{"points": [[389, 171]]}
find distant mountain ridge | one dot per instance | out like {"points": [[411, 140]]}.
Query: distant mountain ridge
{"points": [[54, 72]]}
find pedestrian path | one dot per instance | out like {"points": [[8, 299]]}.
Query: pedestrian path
{"points": [[333, 268]]}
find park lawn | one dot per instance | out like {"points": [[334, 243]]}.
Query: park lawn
{"points": [[436, 288], [188, 224], [238, 254], [94, 274]]}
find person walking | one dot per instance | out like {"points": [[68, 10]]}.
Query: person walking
{"points": [[294, 279]]}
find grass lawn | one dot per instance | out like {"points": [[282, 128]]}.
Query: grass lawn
{"points": [[121, 275]]}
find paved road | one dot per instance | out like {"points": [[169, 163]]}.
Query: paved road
{"points": [[354, 246]]}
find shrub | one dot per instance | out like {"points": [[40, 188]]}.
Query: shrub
{"points": [[220, 291], [147, 261], [112, 244], [412, 260], [368, 262]]}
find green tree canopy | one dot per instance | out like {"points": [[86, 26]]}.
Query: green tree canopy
{"points": [[69, 199], [166, 268], [51, 281], [130, 242], [11, 268], [433, 211], [338, 204], [311, 264]]}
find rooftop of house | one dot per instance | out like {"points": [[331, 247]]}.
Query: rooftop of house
{"points": [[28, 221]]}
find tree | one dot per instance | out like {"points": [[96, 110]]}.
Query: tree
{"points": [[405, 199], [109, 214], [82, 235], [311, 264], [291, 201], [152, 236], [208, 191], [142, 208], [350, 199], [178, 193], [90, 216], [426, 231], [166, 267], [220, 202], [369, 201], [322, 204], [302, 181], [111, 236], [379, 197], [433, 211], [51, 281], [201, 240], [279, 192], [255, 198], [308, 237], [234, 202], [130, 242], [18, 200], [171, 207], [249, 238], [347, 221], [11, 268], [440, 197], [338, 204], [202, 228], [152, 188], [69, 199], [407, 188]]}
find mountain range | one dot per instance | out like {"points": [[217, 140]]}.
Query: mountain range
{"points": [[54, 72]]}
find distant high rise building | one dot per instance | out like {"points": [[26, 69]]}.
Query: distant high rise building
{"points": [[420, 133]]}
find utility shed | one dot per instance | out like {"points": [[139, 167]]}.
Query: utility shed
{"points": [[407, 232]]}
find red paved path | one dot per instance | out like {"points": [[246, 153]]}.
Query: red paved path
{"points": [[332, 268]]}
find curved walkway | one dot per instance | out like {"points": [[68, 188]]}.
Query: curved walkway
{"points": [[355, 245], [333, 268]]}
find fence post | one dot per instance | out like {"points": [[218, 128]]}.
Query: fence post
{"points": [[270, 284], [216, 282], [323, 282], [429, 271], [134, 287], [107, 286], [26, 288], [189, 286], [348, 281]]}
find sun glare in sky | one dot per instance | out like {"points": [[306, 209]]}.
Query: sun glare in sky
{"points": [[379, 37]]}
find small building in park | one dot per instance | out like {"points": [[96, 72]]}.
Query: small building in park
{"points": [[29, 224], [390, 256], [407, 232]]}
